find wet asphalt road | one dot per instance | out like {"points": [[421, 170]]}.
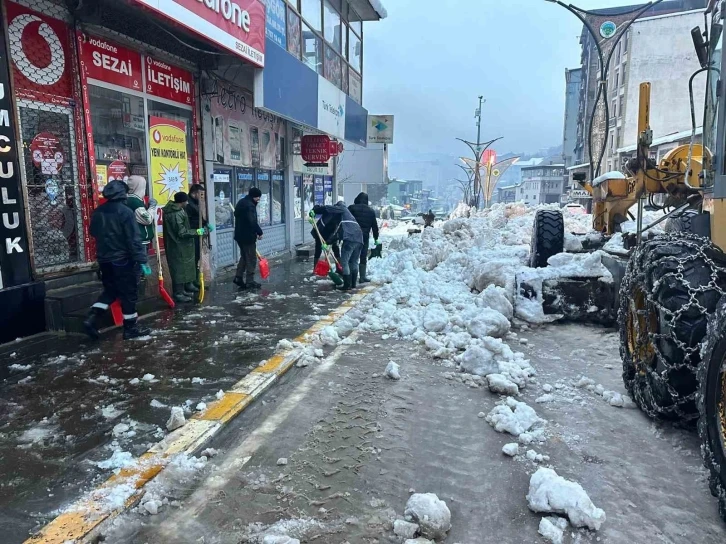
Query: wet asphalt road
{"points": [[60, 404]]}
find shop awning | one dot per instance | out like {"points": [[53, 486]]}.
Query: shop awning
{"points": [[369, 10]]}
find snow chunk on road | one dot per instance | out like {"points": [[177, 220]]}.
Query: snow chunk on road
{"points": [[549, 492], [478, 361], [584, 382], [547, 397], [511, 449], [393, 371], [513, 417], [278, 539], [496, 298], [148, 377], [431, 514], [119, 459], [498, 383], [176, 419], [435, 318], [553, 529], [488, 322], [404, 529]]}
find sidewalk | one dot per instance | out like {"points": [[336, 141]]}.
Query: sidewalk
{"points": [[334, 451], [67, 403]]}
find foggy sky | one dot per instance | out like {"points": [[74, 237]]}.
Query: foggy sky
{"points": [[429, 61]]}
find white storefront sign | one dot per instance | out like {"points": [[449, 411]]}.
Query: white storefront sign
{"points": [[331, 109], [380, 129]]}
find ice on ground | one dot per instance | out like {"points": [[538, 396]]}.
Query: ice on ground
{"points": [[431, 514], [547, 388], [498, 383], [511, 449], [282, 461], [513, 417], [148, 377], [20, 368], [549, 492], [488, 322], [584, 382], [405, 529], [616, 399], [279, 539], [197, 381], [478, 360], [156, 404], [120, 429], [219, 395], [393, 371], [201, 406], [119, 459], [536, 457], [553, 529], [419, 540], [547, 397], [177, 419], [329, 336], [111, 412], [134, 381]]}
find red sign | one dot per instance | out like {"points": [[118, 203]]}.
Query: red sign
{"points": [[489, 157], [40, 49], [336, 148], [47, 153], [116, 170], [168, 81], [105, 61], [316, 148], [235, 25]]}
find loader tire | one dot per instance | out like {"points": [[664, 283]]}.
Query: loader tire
{"points": [[672, 285], [712, 405], [682, 222], [548, 237]]}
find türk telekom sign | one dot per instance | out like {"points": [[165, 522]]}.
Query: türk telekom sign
{"points": [[235, 25]]}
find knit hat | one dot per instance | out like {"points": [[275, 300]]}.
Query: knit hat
{"points": [[181, 197], [254, 192]]}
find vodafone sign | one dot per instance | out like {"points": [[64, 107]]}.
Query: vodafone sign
{"points": [[235, 25]]}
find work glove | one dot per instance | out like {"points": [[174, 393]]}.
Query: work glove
{"points": [[146, 269], [210, 228], [325, 247], [311, 215], [200, 232], [379, 243]]}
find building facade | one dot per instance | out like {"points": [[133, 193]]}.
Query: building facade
{"points": [[541, 184], [113, 89], [573, 82]]}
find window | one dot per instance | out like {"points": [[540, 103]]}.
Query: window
{"points": [[625, 41], [617, 79], [333, 71], [293, 34], [331, 24], [312, 13], [355, 53], [313, 51], [617, 54], [344, 41], [223, 217], [614, 108], [278, 197], [620, 106], [355, 22], [263, 208]]}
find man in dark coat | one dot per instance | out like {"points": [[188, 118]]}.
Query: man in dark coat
{"points": [[121, 259], [330, 237], [196, 193], [179, 238], [352, 236], [247, 231], [366, 218]]}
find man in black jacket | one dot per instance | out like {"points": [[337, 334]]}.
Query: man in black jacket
{"points": [[350, 233], [246, 233], [196, 192], [366, 218], [121, 258]]}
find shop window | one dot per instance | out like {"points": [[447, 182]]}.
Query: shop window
{"points": [[308, 193], [344, 41], [331, 23], [119, 134], [344, 75], [356, 24], [223, 215], [294, 45], [312, 13], [280, 152], [174, 113], [278, 198], [333, 69], [355, 54], [263, 208], [298, 201], [245, 181], [313, 51]]}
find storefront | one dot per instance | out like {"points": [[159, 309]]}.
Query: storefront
{"points": [[249, 150]]}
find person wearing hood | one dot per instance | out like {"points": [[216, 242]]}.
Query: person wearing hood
{"points": [[144, 214], [179, 238], [196, 192], [351, 234], [329, 233], [366, 218], [247, 231], [121, 259]]}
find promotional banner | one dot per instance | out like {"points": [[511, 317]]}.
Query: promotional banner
{"points": [[105, 61], [168, 142], [319, 191], [168, 81], [276, 22]]}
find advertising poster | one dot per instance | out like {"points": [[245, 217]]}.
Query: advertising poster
{"points": [[101, 176], [328, 184], [47, 153], [298, 197], [294, 38], [319, 191], [168, 142], [243, 136], [275, 28], [308, 193]]}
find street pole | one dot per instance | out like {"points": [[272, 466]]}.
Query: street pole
{"points": [[477, 173]]}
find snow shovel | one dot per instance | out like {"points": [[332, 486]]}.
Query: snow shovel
{"points": [[116, 313], [334, 276], [264, 267], [377, 252], [200, 269], [164, 294]]}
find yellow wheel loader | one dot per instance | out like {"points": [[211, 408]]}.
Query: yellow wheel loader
{"points": [[671, 305]]}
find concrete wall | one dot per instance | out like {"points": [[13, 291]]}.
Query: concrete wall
{"points": [[662, 53]]}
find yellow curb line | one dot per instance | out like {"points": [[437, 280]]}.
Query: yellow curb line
{"points": [[88, 513]]}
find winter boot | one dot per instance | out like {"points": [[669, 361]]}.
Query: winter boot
{"points": [[179, 294], [91, 323], [239, 282], [346, 283], [133, 330], [354, 280], [363, 277], [190, 289], [252, 284]]}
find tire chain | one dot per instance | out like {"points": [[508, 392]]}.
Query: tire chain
{"points": [[699, 247]]}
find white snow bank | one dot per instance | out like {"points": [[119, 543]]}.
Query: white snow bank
{"points": [[513, 417], [431, 514], [551, 493]]}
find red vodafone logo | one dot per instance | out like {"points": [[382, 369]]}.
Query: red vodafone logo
{"points": [[37, 50], [157, 136]]}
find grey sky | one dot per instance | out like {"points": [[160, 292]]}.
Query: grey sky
{"points": [[428, 62]]}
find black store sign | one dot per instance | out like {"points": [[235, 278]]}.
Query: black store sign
{"points": [[14, 257]]}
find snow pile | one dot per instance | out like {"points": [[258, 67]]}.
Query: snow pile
{"points": [[551, 493], [176, 419], [430, 513], [513, 417], [553, 529], [393, 371], [511, 450], [405, 529]]}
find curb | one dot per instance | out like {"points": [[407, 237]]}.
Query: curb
{"points": [[88, 513]]}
